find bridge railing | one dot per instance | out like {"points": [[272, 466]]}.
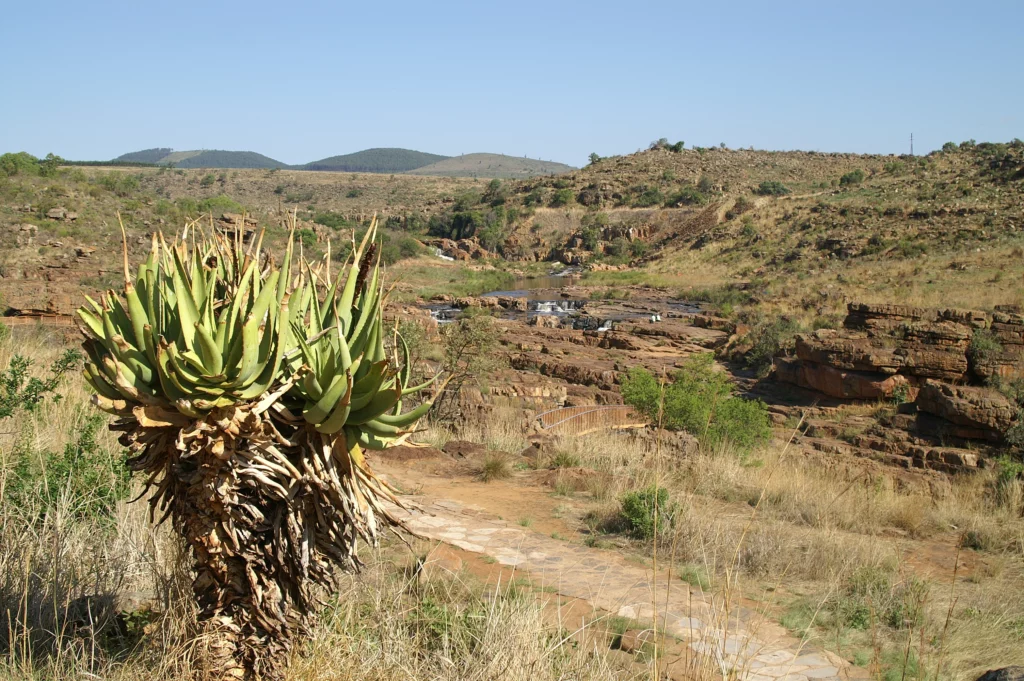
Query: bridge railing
{"points": [[575, 421]]}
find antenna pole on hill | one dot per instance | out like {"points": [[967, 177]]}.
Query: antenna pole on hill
{"points": [[911, 144]]}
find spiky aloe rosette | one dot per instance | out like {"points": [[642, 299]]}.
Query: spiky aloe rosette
{"points": [[246, 392]]}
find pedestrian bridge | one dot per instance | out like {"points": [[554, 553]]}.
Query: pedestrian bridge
{"points": [[582, 420]]}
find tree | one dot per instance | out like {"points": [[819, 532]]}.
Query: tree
{"points": [[19, 163], [594, 158], [470, 350], [48, 166], [246, 404], [699, 400]]}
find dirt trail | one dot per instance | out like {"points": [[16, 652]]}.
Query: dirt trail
{"points": [[727, 638]]}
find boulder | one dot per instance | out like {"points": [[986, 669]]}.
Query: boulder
{"points": [[986, 413], [1004, 674], [57, 213], [514, 303], [932, 352], [706, 321], [464, 449], [841, 383], [548, 321]]}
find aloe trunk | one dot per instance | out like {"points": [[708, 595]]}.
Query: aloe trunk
{"points": [[246, 392]]}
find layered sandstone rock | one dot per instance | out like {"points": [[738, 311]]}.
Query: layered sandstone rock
{"points": [[844, 384], [982, 413]]}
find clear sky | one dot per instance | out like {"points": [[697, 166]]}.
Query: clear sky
{"points": [[299, 81]]}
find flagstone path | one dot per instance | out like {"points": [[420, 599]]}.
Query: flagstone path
{"points": [[742, 645]]}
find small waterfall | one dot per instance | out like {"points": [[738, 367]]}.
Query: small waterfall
{"points": [[445, 315], [556, 307], [439, 253]]}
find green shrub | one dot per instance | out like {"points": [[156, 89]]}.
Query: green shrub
{"points": [[768, 339], [121, 184], [651, 196], [591, 236], [19, 163], [534, 198], [699, 401], [638, 511], [949, 146], [21, 392], [869, 593], [687, 196], [220, 204], [306, 237], [84, 478], [742, 423], [851, 178], [910, 249], [984, 347], [207, 180], [771, 188], [895, 168], [638, 248], [562, 197], [332, 220], [49, 166]]}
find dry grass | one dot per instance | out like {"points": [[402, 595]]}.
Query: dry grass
{"points": [[817, 529], [814, 532], [64, 575]]}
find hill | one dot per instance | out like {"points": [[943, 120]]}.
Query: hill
{"points": [[378, 160], [206, 158], [492, 166], [145, 156]]}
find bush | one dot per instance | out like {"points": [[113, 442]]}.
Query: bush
{"points": [[949, 146], [562, 197], [121, 184], [771, 188], [895, 168], [699, 401], [638, 509], [306, 237], [20, 163], [651, 196], [687, 196], [332, 220], [768, 340], [220, 204], [85, 478], [207, 180], [851, 178], [638, 248], [20, 392], [534, 198], [49, 166], [984, 347]]}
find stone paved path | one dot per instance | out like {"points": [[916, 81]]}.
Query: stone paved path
{"points": [[742, 645]]}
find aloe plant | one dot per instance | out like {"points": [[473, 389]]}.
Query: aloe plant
{"points": [[246, 392]]}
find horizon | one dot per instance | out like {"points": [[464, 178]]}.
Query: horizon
{"points": [[540, 82]]}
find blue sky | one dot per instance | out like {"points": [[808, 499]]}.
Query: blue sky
{"points": [[554, 80]]}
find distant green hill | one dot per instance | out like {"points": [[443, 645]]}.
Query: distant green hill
{"points": [[145, 156], [212, 158], [492, 165], [376, 161]]}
